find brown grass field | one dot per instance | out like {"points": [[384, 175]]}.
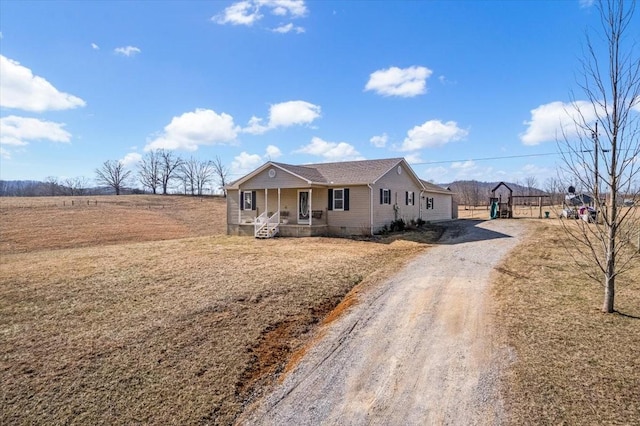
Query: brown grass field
{"points": [[139, 309], [572, 364]]}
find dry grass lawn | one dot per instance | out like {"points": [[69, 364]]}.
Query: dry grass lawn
{"points": [[573, 364], [139, 310]]}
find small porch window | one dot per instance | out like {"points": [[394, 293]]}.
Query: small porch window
{"points": [[248, 200]]}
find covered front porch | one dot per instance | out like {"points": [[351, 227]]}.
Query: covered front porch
{"points": [[282, 211]]}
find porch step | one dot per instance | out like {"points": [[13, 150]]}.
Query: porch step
{"points": [[267, 232]]}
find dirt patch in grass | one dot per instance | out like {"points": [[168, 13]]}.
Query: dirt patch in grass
{"points": [[573, 364], [168, 330]]}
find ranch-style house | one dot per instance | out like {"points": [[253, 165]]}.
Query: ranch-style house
{"points": [[346, 198]]}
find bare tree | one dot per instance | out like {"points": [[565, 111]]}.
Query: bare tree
{"points": [[53, 185], [113, 174], [530, 182], [169, 163], [603, 157], [149, 170], [196, 174], [221, 173]]}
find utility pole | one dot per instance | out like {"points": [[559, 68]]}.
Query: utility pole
{"points": [[594, 135]]}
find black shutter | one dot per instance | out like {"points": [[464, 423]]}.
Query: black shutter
{"points": [[406, 198], [330, 207], [381, 196], [254, 200], [241, 200], [346, 198], [432, 206]]}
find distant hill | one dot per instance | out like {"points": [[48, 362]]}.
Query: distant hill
{"points": [[34, 188], [473, 192]]}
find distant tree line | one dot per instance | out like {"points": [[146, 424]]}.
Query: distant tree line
{"points": [[159, 172]]}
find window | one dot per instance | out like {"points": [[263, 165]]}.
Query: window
{"points": [[247, 200], [429, 203], [338, 199], [385, 196], [409, 198]]}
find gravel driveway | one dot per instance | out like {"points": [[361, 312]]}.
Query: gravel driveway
{"points": [[416, 350]]}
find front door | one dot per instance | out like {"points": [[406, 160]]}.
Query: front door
{"points": [[303, 207]]}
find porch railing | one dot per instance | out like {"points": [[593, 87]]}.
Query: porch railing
{"points": [[266, 226]]}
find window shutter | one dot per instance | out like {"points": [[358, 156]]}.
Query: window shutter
{"points": [[330, 199], [381, 196], [241, 200], [253, 200], [406, 198], [346, 199]]}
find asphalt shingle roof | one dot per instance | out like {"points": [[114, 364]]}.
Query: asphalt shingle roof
{"points": [[344, 173]]}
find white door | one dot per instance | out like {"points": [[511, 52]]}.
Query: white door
{"points": [[303, 207]]}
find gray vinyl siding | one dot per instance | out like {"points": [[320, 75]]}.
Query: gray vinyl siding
{"points": [[232, 206], [398, 184], [281, 180], [357, 218], [441, 207]]}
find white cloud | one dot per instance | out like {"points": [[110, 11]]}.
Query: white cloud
{"points": [[404, 82], [131, 159], [413, 158], [248, 12], [127, 51], [18, 131], [431, 134], [585, 4], [245, 163], [331, 151], [5, 153], [550, 121], [283, 29], [193, 129], [95, 46], [284, 114], [295, 8], [379, 141], [273, 152], [20, 89]]}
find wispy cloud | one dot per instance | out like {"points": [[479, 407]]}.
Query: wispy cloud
{"points": [[403, 82], [379, 141], [19, 131], [95, 46], [331, 151], [127, 51], [248, 12], [20, 89]]}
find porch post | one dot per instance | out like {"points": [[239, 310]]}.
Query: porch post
{"points": [[279, 208], [266, 202], [239, 206], [310, 205]]}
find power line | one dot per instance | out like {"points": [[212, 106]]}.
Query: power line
{"points": [[487, 158]]}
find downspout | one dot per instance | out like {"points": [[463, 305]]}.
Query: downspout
{"points": [[370, 209], [420, 205]]}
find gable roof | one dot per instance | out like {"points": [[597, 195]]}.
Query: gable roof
{"points": [[342, 173], [430, 187]]}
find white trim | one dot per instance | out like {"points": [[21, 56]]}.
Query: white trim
{"points": [[298, 220], [334, 200]]}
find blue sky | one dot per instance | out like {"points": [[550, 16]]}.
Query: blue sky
{"points": [[441, 83]]}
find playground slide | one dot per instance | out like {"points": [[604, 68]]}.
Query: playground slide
{"points": [[494, 210]]}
